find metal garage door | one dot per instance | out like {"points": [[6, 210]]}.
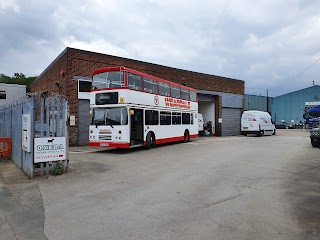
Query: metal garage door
{"points": [[84, 120], [231, 120]]}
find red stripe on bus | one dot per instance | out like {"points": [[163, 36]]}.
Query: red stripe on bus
{"points": [[127, 145], [173, 139], [194, 136], [109, 144]]}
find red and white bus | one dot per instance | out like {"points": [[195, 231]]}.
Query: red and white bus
{"points": [[132, 109]]}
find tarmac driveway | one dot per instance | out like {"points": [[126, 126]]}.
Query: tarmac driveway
{"points": [[211, 188]]}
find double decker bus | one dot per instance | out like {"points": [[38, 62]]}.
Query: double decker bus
{"points": [[132, 109]]}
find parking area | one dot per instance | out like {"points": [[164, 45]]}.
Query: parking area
{"points": [[210, 188]]}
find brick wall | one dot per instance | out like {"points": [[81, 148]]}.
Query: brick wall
{"points": [[54, 81], [76, 62], [85, 62]]}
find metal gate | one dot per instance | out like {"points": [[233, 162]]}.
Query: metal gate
{"points": [[48, 118], [231, 121]]}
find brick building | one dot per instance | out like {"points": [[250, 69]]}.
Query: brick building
{"points": [[220, 98]]}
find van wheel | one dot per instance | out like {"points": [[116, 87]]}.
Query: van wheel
{"points": [[186, 137], [314, 143], [149, 141], [274, 132]]}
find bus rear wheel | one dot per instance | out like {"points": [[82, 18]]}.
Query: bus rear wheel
{"points": [[186, 137]]}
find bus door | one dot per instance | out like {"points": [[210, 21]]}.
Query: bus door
{"points": [[136, 134]]}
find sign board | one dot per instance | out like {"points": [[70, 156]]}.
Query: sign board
{"points": [[26, 132], [49, 149], [312, 103], [72, 120], [219, 120]]}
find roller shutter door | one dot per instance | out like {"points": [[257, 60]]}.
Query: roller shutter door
{"points": [[84, 120], [231, 121]]}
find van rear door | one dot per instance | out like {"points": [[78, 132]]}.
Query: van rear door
{"points": [[250, 122]]}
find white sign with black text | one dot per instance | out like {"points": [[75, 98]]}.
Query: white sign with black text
{"points": [[26, 132], [49, 149]]}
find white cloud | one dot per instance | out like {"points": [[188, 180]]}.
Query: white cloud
{"points": [[9, 5], [262, 42], [99, 45]]}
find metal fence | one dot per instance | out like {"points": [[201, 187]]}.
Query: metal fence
{"points": [[48, 119]]}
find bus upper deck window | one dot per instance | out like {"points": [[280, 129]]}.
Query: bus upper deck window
{"points": [[175, 92], [164, 89], [134, 81], [193, 96], [150, 85]]}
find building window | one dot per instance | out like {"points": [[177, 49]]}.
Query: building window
{"points": [[3, 95], [84, 86]]}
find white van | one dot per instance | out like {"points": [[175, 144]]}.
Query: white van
{"points": [[200, 123], [257, 122]]}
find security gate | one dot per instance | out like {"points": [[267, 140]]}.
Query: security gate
{"points": [[35, 116]]}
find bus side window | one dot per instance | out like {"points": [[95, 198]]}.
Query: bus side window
{"points": [[165, 118], [193, 96], [175, 92], [185, 94], [134, 81], [164, 89], [176, 118], [150, 86], [152, 117], [185, 118]]}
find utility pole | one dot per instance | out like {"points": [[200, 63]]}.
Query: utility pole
{"points": [[267, 101]]}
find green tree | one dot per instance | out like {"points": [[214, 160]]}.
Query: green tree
{"points": [[17, 78]]}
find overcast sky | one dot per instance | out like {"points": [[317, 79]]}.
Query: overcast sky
{"points": [[269, 44]]}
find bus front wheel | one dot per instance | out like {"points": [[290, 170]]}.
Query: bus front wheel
{"points": [[150, 140]]}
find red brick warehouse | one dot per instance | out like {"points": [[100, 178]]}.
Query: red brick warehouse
{"points": [[220, 98]]}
